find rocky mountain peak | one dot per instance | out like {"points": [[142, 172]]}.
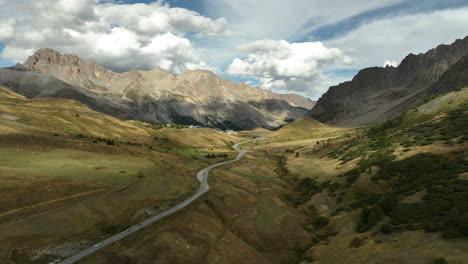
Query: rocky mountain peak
{"points": [[159, 73], [197, 75], [48, 57], [70, 69], [376, 94], [193, 97]]}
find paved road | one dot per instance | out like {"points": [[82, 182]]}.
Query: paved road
{"points": [[202, 176]]}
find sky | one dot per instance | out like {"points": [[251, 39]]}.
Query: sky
{"points": [[295, 46]]}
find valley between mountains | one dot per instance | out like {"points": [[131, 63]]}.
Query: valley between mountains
{"points": [[375, 172]]}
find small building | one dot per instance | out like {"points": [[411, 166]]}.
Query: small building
{"points": [[231, 132]]}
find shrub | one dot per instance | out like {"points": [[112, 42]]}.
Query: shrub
{"points": [[444, 204], [357, 242], [440, 261], [378, 158], [307, 188], [387, 228], [369, 218], [212, 155], [282, 168], [352, 175], [320, 222]]}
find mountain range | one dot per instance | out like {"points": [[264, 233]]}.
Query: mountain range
{"points": [[379, 93], [200, 97], [196, 97]]}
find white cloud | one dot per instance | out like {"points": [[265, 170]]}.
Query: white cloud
{"points": [[119, 36], [7, 29], [15, 53], [284, 66], [390, 63], [394, 37], [157, 18], [279, 19], [123, 36], [389, 37]]}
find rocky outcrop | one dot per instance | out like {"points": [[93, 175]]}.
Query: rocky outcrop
{"points": [[193, 97], [454, 78], [377, 94], [199, 84]]}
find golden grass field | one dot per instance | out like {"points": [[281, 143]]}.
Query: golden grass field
{"points": [[60, 185]]}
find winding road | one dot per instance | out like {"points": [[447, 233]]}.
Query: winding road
{"points": [[202, 176]]}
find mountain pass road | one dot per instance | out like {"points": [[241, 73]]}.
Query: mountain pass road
{"points": [[202, 176]]}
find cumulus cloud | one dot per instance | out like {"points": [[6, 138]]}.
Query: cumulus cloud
{"points": [[389, 36], [390, 63], [392, 38], [160, 18], [284, 66], [7, 29], [278, 19], [119, 36]]}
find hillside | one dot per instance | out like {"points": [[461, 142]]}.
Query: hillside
{"points": [[315, 193], [48, 116], [70, 176], [378, 94], [196, 97], [309, 191], [304, 128], [200, 132], [377, 190]]}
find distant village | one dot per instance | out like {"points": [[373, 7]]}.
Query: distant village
{"points": [[229, 131], [154, 125], [159, 126]]}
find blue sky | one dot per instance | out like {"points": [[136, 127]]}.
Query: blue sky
{"points": [[3, 62], [408, 7], [298, 46]]}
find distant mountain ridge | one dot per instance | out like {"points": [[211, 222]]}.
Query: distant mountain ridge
{"points": [[378, 94], [193, 97]]}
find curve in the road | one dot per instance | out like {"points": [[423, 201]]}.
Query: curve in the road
{"points": [[202, 176]]}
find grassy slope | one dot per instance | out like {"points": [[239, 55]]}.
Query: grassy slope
{"points": [[438, 127], [46, 116], [241, 220], [60, 183], [304, 128], [252, 213], [198, 137]]}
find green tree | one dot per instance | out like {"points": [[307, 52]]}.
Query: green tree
{"points": [[440, 261]]}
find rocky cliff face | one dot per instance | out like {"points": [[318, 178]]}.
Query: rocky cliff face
{"points": [[377, 94], [198, 84], [454, 78], [193, 97]]}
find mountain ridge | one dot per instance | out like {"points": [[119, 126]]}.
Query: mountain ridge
{"points": [[376, 94], [197, 97], [45, 59]]}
